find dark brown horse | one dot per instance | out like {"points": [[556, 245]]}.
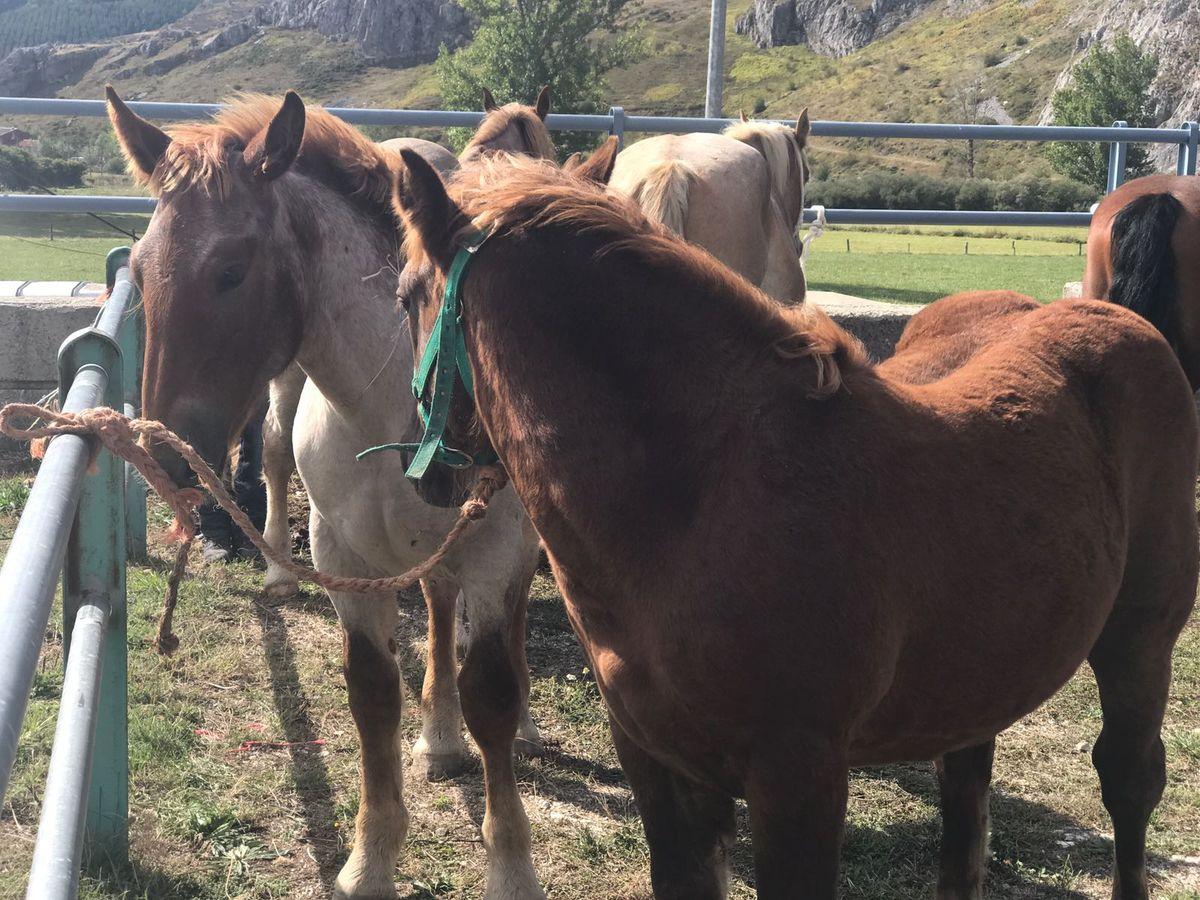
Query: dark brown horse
{"points": [[783, 561], [1144, 253]]}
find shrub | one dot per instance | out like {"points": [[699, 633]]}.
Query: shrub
{"points": [[888, 190], [21, 170]]}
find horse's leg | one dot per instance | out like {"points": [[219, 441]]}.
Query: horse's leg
{"points": [[797, 801], [783, 276], [441, 743], [528, 742], [493, 695], [688, 827], [376, 701], [1132, 663], [964, 777], [278, 465]]}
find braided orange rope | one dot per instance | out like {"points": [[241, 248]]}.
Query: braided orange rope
{"points": [[128, 438]]}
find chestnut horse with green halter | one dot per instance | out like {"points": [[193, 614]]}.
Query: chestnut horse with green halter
{"points": [[1144, 253], [782, 561]]}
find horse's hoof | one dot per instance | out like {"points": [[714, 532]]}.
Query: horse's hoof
{"points": [[523, 748], [282, 590], [444, 766], [341, 893]]}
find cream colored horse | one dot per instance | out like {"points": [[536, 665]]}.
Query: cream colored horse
{"points": [[279, 460], [739, 195]]}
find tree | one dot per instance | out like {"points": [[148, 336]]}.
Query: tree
{"points": [[1108, 85], [968, 99], [521, 45]]}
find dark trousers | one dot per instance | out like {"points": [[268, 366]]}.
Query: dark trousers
{"points": [[248, 490]]}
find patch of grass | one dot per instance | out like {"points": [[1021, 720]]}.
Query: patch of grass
{"points": [[925, 277], [13, 494]]}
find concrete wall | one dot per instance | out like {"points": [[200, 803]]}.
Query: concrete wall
{"points": [[878, 325], [31, 330]]}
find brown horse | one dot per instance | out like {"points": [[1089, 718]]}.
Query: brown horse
{"points": [[1144, 253], [511, 128], [783, 562], [274, 240]]}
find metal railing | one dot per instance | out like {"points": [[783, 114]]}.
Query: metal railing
{"points": [[85, 517], [616, 121]]}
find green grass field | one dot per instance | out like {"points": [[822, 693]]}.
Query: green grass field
{"points": [[884, 265], [213, 820]]}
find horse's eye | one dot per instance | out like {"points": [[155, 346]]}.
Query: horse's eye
{"points": [[230, 278]]}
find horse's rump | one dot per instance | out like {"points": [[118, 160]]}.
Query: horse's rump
{"points": [[662, 193]]}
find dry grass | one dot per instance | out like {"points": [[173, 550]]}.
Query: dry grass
{"points": [[212, 820]]}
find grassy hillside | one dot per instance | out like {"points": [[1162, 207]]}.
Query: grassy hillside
{"points": [[1015, 47], [77, 21]]}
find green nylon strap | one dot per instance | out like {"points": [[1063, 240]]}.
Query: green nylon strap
{"points": [[446, 335]]}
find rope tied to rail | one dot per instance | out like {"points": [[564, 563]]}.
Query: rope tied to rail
{"points": [[128, 439]]}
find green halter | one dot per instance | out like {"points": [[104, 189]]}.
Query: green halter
{"points": [[447, 333]]}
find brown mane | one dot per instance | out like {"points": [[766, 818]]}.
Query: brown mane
{"points": [[516, 194], [496, 122], [205, 154]]}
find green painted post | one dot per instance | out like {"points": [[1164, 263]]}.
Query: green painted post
{"points": [[95, 568], [131, 339]]}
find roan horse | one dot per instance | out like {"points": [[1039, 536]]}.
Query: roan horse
{"points": [[1144, 253], [511, 128], [703, 466], [270, 243], [739, 195]]}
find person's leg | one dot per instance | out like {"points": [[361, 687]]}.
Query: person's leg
{"points": [[248, 487]]}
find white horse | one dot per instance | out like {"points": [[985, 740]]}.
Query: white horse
{"points": [[267, 247]]}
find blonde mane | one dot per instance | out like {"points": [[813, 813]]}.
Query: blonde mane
{"points": [[204, 154], [515, 115], [518, 194], [776, 143]]}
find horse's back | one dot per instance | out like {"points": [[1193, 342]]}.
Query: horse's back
{"points": [[948, 332], [719, 189], [435, 154]]}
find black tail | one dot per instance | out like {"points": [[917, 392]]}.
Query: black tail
{"points": [[1144, 263]]}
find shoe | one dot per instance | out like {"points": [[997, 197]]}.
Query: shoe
{"points": [[213, 552]]}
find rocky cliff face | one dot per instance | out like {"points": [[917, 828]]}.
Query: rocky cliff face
{"points": [[828, 27], [40, 71], [394, 32], [1170, 28]]}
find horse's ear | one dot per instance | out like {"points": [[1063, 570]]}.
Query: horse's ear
{"points": [[489, 102], [599, 166], [542, 106], [142, 143], [276, 147], [420, 199], [742, 115], [803, 127]]}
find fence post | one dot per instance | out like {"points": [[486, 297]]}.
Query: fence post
{"points": [[1116, 160], [716, 61], [94, 575], [1193, 148], [618, 124], [131, 338]]}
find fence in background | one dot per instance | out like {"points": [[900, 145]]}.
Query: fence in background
{"points": [[616, 121], [85, 517]]}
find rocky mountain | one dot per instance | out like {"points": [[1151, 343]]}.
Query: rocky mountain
{"points": [[392, 32], [1169, 28], [828, 27]]}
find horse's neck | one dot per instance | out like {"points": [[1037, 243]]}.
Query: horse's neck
{"points": [[355, 348], [605, 403]]}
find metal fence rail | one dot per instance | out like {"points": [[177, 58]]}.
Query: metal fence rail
{"points": [[84, 525], [1118, 137]]}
